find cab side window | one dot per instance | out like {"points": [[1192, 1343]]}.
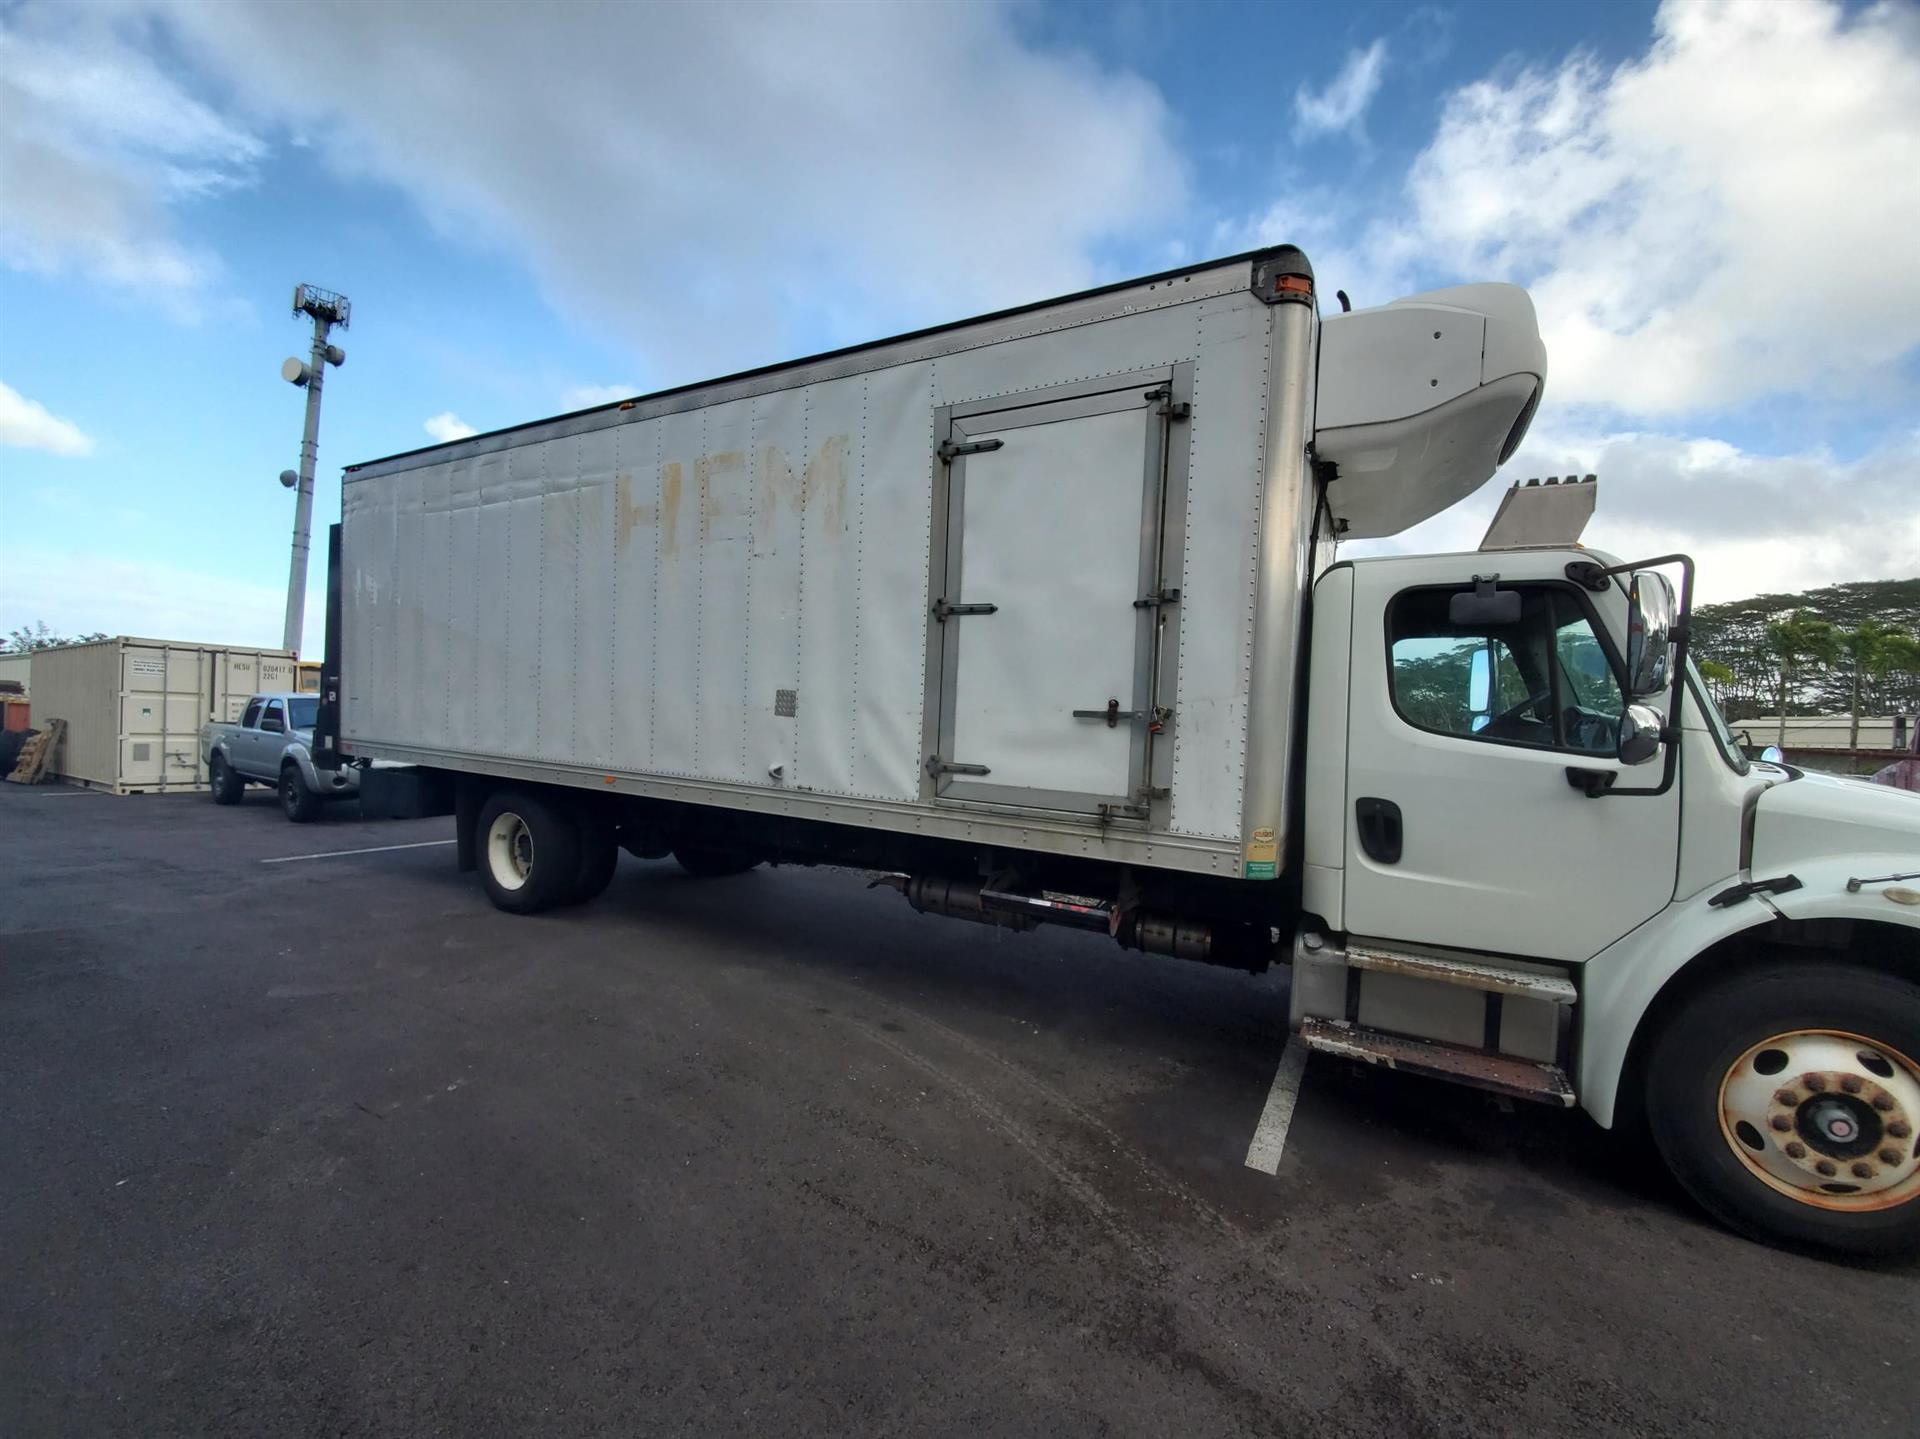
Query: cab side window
{"points": [[1544, 681], [251, 719]]}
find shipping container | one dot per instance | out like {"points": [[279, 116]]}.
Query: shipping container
{"points": [[16, 670], [134, 707]]}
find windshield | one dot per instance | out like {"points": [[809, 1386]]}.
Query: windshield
{"points": [[1716, 722], [303, 709]]}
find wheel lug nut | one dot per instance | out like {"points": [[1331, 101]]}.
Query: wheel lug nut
{"points": [[1890, 1156], [1899, 1129], [1825, 1166], [1883, 1102], [1816, 1082], [1796, 1150], [1781, 1123], [1786, 1097], [1850, 1083], [1862, 1170]]}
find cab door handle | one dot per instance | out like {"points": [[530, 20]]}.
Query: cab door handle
{"points": [[1378, 821]]}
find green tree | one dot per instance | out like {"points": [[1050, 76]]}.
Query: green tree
{"points": [[1871, 651], [1797, 640], [24, 639]]}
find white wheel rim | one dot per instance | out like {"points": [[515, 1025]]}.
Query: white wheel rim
{"points": [[1826, 1117], [509, 851]]}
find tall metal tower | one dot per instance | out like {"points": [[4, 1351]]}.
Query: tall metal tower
{"points": [[327, 310]]}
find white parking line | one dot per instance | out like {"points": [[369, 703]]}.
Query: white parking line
{"points": [[336, 853], [1270, 1135]]}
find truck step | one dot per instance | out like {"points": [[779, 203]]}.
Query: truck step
{"points": [[1444, 968], [1502, 1074]]}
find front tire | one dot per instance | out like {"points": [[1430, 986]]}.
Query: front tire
{"points": [[529, 851], [300, 804], [225, 786], [1786, 1103]]}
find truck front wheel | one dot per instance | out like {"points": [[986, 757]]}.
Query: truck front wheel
{"points": [[529, 852], [1787, 1104], [301, 804]]}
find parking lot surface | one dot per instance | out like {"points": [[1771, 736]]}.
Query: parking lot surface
{"points": [[327, 1145]]}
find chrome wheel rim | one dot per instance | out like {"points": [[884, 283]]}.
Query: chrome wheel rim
{"points": [[1825, 1117], [509, 851]]}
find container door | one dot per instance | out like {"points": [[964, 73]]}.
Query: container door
{"points": [[1047, 617]]}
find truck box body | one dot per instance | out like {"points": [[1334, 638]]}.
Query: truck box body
{"points": [[134, 707], [733, 593]]}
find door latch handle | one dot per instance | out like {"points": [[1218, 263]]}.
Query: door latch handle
{"points": [[1112, 714], [1378, 824]]}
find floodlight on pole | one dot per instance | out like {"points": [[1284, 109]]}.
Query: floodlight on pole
{"points": [[326, 309]]}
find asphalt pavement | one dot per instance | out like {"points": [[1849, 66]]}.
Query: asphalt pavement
{"points": [[327, 1145]]}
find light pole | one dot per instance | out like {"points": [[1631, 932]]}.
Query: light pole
{"points": [[327, 310]]}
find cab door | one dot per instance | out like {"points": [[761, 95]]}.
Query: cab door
{"points": [[1471, 751]]}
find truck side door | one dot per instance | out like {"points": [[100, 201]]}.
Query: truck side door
{"points": [[1464, 828], [244, 736]]}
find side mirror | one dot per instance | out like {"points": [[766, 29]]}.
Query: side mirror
{"points": [[1651, 609], [1640, 729], [271, 725], [1772, 755]]}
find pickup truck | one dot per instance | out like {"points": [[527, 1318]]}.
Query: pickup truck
{"points": [[270, 745]]}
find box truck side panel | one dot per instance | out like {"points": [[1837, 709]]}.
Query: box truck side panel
{"points": [[739, 593], [1217, 565]]}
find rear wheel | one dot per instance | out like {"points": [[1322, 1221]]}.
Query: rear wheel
{"points": [[225, 786], [529, 852], [599, 855], [300, 803], [704, 863], [1787, 1106]]}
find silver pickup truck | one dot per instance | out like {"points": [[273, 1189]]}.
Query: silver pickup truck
{"points": [[269, 745]]}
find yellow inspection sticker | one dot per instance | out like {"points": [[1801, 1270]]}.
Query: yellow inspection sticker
{"points": [[1263, 855]]}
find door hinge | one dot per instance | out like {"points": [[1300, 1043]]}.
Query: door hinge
{"points": [[942, 611], [937, 767], [1167, 408], [949, 451], [1163, 596]]}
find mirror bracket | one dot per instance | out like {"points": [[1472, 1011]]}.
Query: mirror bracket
{"points": [[1591, 782], [1588, 575]]}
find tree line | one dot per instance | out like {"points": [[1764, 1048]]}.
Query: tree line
{"points": [[1851, 649]]}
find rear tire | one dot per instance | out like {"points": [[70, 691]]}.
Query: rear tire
{"points": [[529, 851], [1785, 1104], [300, 804], [703, 863], [225, 786], [599, 856]]}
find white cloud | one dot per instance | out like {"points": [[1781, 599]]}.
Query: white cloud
{"points": [[447, 426], [80, 591], [705, 181], [27, 425], [585, 397], [1727, 218], [1342, 104], [97, 144], [1755, 523]]}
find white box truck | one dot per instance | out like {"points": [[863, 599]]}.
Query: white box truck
{"points": [[1041, 614]]}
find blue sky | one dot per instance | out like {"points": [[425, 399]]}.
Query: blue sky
{"points": [[534, 208]]}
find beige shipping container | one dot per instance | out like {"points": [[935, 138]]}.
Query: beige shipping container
{"points": [[134, 707]]}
